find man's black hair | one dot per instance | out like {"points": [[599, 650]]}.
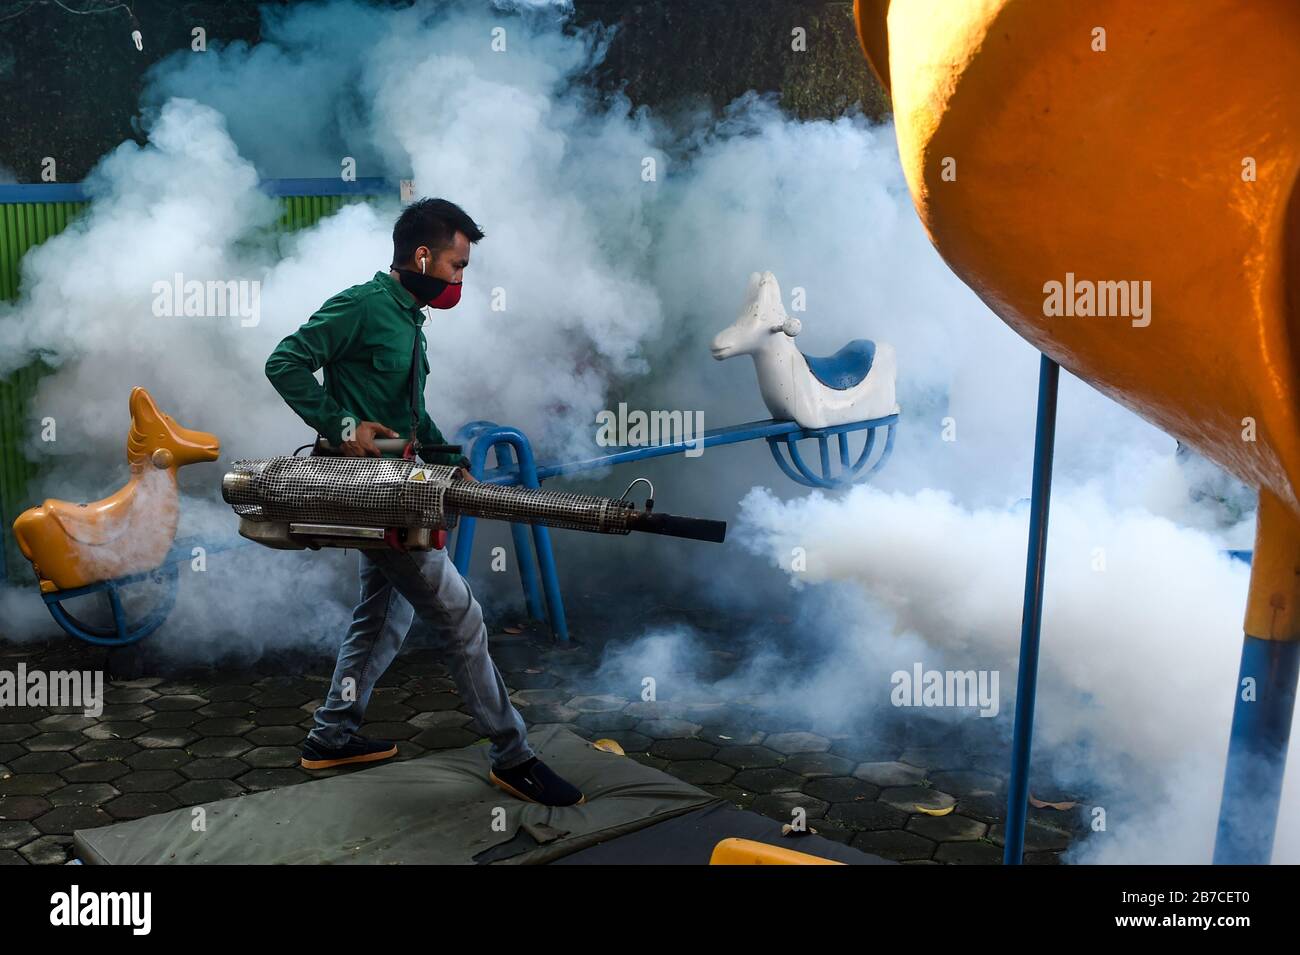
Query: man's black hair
{"points": [[431, 222]]}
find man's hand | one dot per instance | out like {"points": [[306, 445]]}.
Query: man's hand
{"points": [[363, 444], [463, 474]]}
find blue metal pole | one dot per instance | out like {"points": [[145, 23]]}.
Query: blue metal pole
{"points": [[1032, 620], [1261, 730]]}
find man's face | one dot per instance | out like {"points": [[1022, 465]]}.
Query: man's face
{"points": [[448, 264]]}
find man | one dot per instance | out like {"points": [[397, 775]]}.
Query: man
{"points": [[366, 339]]}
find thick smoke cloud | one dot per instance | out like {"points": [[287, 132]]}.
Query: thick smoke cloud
{"points": [[613, 285]]}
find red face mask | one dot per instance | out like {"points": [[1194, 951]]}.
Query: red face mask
{"points": [[430, 291]]}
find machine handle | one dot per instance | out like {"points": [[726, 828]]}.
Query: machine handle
{"points": [[694, 528]]}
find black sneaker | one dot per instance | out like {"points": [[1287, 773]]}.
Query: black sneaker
{"points": [[534, 781], [356, 750]]}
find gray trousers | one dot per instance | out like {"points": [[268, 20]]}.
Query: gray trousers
{"points": [[395, 587]]}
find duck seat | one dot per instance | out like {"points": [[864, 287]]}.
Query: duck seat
{"points": [[74, 545], [846, 368]]}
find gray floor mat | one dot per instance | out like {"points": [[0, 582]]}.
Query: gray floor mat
{"points": [[436, 809]]}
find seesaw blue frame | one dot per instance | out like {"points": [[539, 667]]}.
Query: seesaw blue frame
{"points": [[515, 464]]}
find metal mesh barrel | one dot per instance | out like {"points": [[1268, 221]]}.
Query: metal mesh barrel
{"points": [[387, 492], [376, 492]]}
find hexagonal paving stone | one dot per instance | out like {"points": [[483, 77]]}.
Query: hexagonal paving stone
{"points": [[23, 807], [23, 714], [841, 789], [434, 702], [782, 806], [124, 711], [278, 716], [13, 732], [257, 780], [219, 746], [908, 798], [654, 709], [234, 725], [83, 794], [102, 749], [1037, 837], [889, 774], [60, 742], [967, 783], [205, 790], [49, 762], [170, 738], [645, 759], [226, 708], [389, 731], [10, 857], [603, 703], [1042, 858], [47, 850], [159, 759], [182, 701], [117, 729], [866, 815], [272, 757], [380, 711], [15, 834], [768, 780], [439, 719], [138, 805], [66, 722], [866, 749], [280, 696], [548, 713], [934, 758], [894, 844], [989, 809], [682, 749], [819, 764], [667, 729], [538, 697], [700, 771], [215, 768], [129, 694], [949, 828], [150, 781], [31, 784], [276, 736], [96, 772], [731, 736], [977, 852], [71, 818], [791, 743], [223, 694], [748, 757], [173, 720]]}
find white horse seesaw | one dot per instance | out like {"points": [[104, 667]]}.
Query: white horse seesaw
{"points": [[855, 384]]}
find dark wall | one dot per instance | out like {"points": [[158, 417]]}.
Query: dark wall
{"points": [[69, 85]]}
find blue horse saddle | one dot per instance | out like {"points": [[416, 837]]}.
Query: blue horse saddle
{"points": [[846, 368]]}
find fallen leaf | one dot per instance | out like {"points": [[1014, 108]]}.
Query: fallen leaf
{"points": [[935, 812], [1041, 804], [513, 629]]}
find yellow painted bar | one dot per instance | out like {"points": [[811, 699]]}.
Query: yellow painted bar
{"points": [[749, 852]]}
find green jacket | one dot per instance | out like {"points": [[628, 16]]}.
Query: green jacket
{"points": [[363, 337]]}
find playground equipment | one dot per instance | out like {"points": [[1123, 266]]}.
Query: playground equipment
{"points": [[855, 383], [128, 537], [293, 503], [1026, 137]]}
